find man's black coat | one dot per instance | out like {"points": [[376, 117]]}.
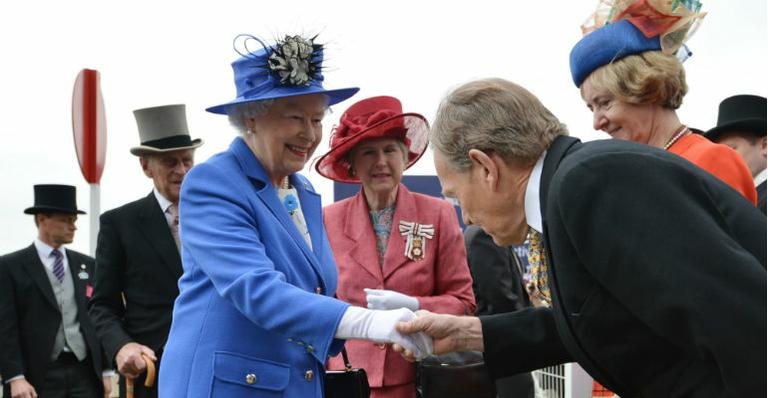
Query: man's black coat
{"points": [[657, 274]]}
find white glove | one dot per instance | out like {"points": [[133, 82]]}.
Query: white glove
{"points": [[389, 300], [379, 326]]}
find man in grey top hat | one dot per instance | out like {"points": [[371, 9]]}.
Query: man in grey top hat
{"points": [[741, 126], [137, 253], [48, 346]]}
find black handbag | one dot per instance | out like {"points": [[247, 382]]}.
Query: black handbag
{"points": [[454, 375], [348, 383]]}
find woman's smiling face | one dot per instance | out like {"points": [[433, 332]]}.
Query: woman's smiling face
{"points": [[286, 136], [618, 118]]}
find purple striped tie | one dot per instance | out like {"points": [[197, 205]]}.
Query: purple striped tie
{"points": [[58, 265]]}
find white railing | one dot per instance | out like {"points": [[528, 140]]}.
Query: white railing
{"points": [[562, 381]]}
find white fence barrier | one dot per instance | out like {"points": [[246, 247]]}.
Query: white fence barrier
{"points": [[562, 381]]}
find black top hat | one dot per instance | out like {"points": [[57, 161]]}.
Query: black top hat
{"points": [[53, 198], [163, 129], [742, 113]]}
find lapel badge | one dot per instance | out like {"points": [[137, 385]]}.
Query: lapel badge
{"points": [[83, 274], [416, 236]]}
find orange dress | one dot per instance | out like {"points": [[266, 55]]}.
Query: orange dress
{"points": [[718, 159]]}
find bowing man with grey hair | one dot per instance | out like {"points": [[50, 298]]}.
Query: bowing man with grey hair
{"points": [[657, 287]]}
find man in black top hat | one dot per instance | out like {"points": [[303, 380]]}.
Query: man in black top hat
{"points": [[138, 251], [48, 346], [741, 126]]}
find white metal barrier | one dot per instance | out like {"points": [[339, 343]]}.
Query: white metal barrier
{"points": [[562, 381]]}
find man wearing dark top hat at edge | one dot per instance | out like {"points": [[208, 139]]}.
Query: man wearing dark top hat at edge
{"points": [[48, 346], [741, 126], [137, 253]]}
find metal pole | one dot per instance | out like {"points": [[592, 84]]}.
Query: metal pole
{"points": [[95, 212]]}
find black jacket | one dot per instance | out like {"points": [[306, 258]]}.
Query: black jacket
{"points": [[137, 258], [30, 316], [657, 275], [496, 275]]}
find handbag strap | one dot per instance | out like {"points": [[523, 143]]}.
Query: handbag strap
{"points": [[347, 365]]}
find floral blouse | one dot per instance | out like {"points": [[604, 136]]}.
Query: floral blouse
{"points": [[382, 226]]}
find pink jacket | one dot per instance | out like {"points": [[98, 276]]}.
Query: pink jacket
{"points": [[440, 281]]}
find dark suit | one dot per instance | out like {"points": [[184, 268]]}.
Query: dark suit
{"points": [[137, 258], [30, 316], [496, 274], [761, 200], [498, 285], [657, 275]]}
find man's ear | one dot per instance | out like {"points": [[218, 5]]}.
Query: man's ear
{"points": [[144, 161], [485, 167], [762, 146]]}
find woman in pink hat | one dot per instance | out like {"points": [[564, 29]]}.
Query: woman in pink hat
{"points": [[393, 248]]}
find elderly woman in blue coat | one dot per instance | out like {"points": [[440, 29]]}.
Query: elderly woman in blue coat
{"points": [[255, 315]]}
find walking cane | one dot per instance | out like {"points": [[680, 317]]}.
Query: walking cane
{"points": [[149, 381]]}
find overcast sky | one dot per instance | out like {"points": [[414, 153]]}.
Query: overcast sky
{"points": [[161, 52]]}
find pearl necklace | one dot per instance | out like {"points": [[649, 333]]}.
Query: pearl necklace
{"points": [[683, 131]]}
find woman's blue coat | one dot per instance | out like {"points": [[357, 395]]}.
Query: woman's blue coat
{"points": [[249, 320]]}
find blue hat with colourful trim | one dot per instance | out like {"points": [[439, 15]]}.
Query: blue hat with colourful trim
{"points": [[609, 43], [619, 28], [289, 68]]}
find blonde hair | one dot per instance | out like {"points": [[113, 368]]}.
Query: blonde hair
{"points": [[650, 77], [493, 115]]}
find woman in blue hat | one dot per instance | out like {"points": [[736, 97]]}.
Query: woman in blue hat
{"points": [[256, 315], [629, 70]]}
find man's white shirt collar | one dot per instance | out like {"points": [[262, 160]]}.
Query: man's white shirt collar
{"points": [[162, 200], [44, 252], [761, 176], [532, 198]]}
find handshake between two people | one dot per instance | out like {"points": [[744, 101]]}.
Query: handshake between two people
{"points": [[390, 319]]}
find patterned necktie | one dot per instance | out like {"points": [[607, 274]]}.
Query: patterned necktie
{"points": [[173, 210], [58, 265], [537, 258]]}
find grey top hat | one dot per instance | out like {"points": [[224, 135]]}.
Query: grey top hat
{"points": [[54, 198], [163, 129]]}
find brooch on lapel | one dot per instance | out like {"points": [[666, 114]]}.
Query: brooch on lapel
{"points": [[416, 236], [83, 274]]}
